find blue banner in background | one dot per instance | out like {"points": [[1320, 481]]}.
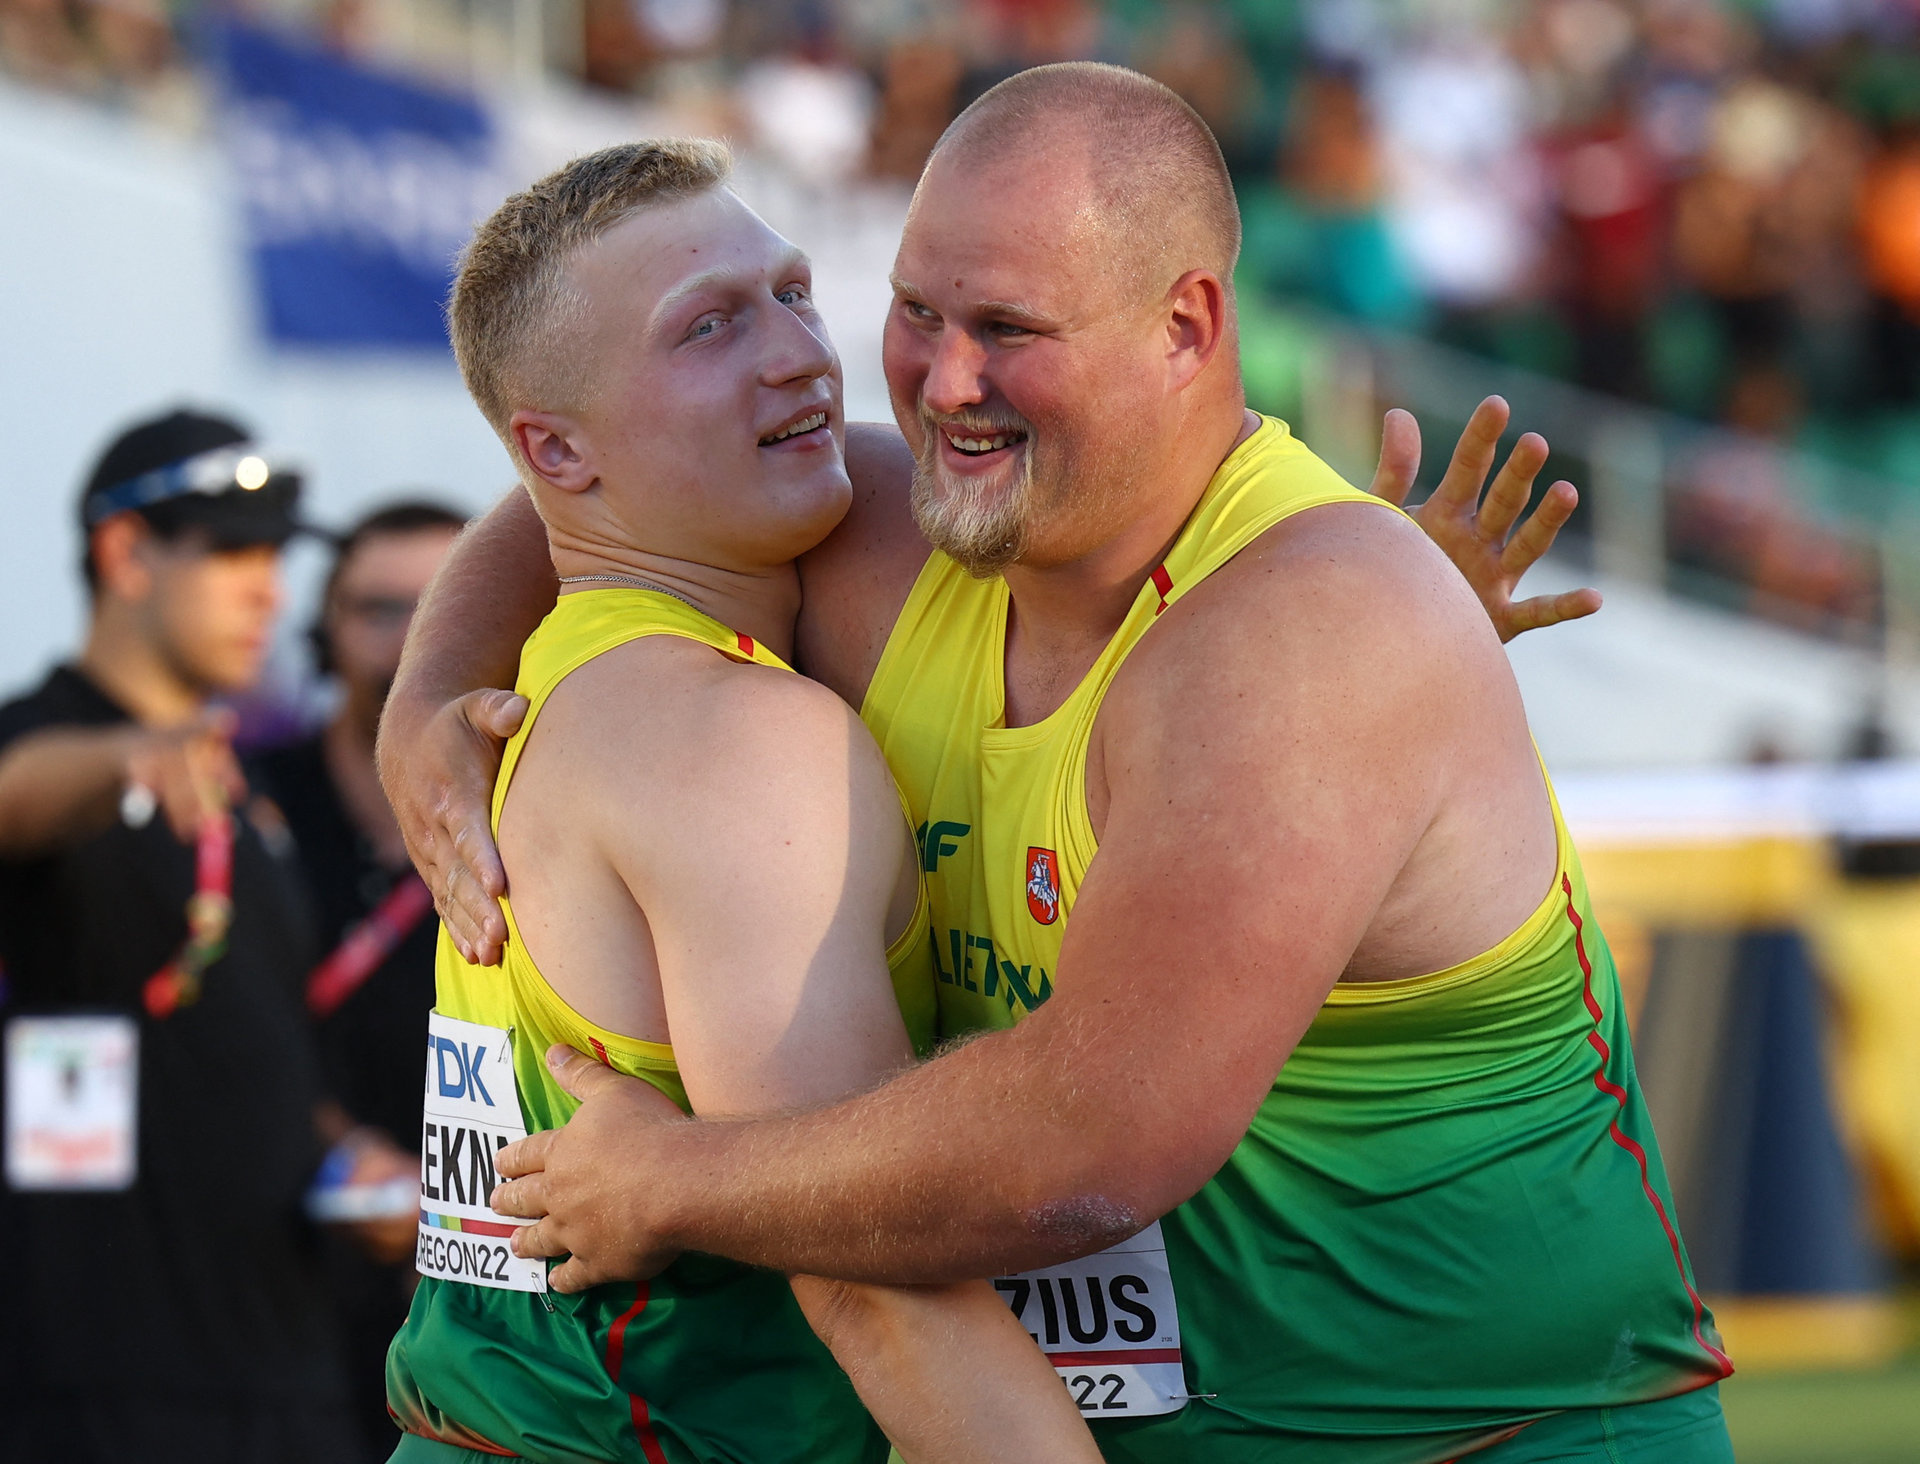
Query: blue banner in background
{"points": [[359, 189]]}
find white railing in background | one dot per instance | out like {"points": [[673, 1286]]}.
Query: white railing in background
{"points": [[1639, 471]]}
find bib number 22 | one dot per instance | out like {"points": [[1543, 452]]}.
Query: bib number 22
{"points": [[1108, 1324]]}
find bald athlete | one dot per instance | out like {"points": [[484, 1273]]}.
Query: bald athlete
{"points": [[1240, 856], [649, 351]]}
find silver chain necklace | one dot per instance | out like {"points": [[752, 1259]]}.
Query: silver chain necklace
{"points": [[627, 579]]}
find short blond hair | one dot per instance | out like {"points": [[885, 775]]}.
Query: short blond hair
{"points": [[510, 298]]}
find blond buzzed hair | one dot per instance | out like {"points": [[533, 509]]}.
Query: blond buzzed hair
{"points": [[510, 301], [1164, 197]]}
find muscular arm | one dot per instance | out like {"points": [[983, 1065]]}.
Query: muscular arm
{"points": [[772, 856], [441, 731], [1192, 964]]}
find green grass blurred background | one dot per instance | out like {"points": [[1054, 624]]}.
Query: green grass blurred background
{"points": [[1865, 1417]]}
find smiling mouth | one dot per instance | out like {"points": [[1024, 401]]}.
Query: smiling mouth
{"points": [[977, 444], [796, 429]]}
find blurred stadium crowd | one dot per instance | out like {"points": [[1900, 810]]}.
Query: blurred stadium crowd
{"points": [[1711, 207]]}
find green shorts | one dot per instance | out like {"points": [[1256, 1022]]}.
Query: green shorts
{"points": [[1688, 1429]]}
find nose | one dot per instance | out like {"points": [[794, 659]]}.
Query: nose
{"points": [[800, 350], [269, 591], [955, 379]]}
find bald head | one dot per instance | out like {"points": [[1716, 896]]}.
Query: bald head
{"points": [[1160, 200]]}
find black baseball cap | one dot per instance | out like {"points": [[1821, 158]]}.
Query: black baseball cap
{"points": [[190, 472]]}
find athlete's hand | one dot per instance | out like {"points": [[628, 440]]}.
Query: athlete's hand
{"points": [[587, 1185], [189, 773], [1478, 534], [438, 773]]}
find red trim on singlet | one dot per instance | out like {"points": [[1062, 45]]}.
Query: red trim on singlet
{"points": [[599, 1051], [745, 642], [1619, 1095], [1163, 582], [1113, 1355], [636, 1405]]}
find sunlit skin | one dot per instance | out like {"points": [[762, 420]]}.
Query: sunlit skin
{"points": [[1128, 407], [703, 343], [986, 327]]}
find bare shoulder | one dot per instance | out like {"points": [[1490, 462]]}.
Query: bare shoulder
{"points": [[1355, 560], [668, 718], [1341, 617], [855, 582]]}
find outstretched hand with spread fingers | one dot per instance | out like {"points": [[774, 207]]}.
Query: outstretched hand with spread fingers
{"points": [[1477, 533], [586, 1185]]}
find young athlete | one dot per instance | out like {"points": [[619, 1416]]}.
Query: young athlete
{"points": [[649, 350]]}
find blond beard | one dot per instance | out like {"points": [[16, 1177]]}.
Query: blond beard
{"points": [[981, 534]]}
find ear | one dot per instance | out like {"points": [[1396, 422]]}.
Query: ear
{"points": [[1197, 323], [555, 450], [117, 544]]}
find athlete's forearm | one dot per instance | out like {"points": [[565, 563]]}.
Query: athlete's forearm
{"points": [[948, 1373], [1009, 1153], [493, 590]]}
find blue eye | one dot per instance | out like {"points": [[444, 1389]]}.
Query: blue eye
{"points": [[792, 295], [704, 328]]}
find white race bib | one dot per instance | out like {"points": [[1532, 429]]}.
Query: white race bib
{"points": [[1108, 1324], [73, 1102], [472, 1112]]}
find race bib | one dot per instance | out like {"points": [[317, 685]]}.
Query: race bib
{"points": [[73, 1102], [472, 1112], [1108, 1324]]}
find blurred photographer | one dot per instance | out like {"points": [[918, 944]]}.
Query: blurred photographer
{"points": [[164, 1109], [369, 995]]}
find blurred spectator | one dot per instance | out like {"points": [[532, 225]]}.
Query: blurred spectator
{"points": [[87, 45], [1463, 188], [1890, 241], [810, 112], [1734, 516], [42, 41], [370, 996], [150, 925], [1317, 230], [1693, 203], [1611, 251], [919, 96]]}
